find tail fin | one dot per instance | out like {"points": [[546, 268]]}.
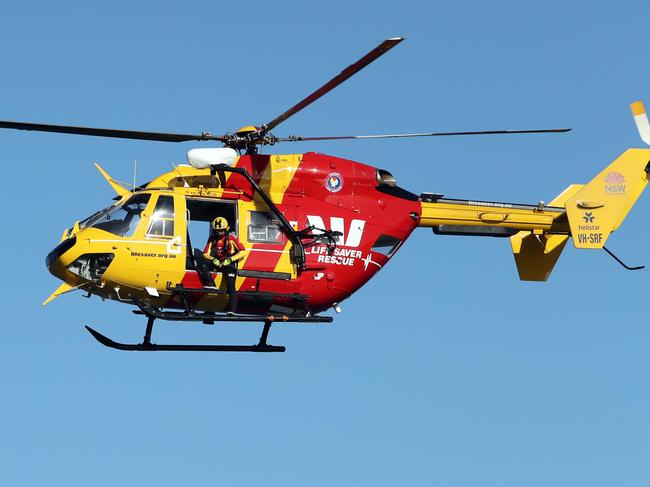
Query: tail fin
{"points": [[593, 210], [601, 206]]}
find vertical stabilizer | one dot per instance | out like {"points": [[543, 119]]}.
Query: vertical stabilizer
{"points": [[601, 206]]}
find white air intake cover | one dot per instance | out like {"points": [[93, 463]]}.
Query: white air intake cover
{"points": [[205, 157]]}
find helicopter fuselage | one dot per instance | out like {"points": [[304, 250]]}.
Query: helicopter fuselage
{"points": [[139, 248]]}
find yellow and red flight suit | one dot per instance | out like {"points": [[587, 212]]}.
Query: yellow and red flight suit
{"points": [[223, 250]]}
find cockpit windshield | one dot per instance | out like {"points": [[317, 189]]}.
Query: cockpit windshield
{"points": [[120, 220]]}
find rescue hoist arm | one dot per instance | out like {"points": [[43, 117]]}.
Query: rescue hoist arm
{"points": [[294, 235]]}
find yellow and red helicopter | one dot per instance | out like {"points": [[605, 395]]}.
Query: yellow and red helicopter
{"points": [[316, 227]]}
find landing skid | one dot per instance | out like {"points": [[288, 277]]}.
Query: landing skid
{"points": [[154, 347], [154, 313]]}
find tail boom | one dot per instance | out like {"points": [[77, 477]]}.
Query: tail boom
{"points": [[438, 211], [588, 213]]}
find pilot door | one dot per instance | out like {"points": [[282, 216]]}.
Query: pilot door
{"points": [[157, 247]]}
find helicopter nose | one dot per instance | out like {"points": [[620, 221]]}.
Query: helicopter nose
{"points": [[53, 261]]}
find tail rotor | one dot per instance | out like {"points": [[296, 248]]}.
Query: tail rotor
{"points": [[641, 120]]}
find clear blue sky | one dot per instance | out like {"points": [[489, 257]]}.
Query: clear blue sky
{"points": [[444, 370]]}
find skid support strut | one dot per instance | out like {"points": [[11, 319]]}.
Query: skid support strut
{"points": [[147, 346], [147, 333]]}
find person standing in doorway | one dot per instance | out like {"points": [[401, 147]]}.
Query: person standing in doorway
{"points": [[223, 251]]}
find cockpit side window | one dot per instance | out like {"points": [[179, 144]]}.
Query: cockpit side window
{"points": [[162, 220], [120, 220]]}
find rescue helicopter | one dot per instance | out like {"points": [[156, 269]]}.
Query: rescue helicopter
{"points": [[315, 227]]}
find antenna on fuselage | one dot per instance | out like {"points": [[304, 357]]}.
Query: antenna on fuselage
{"points": [[135, 170], [181, 175]]}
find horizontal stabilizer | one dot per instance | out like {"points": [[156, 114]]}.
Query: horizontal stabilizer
{"points": [[536, 255]]}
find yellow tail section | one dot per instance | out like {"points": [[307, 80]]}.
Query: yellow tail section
{"points": [[587, 213], [593, 212], [601, 206]]}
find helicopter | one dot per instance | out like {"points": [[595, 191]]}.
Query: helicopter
{"points": [[316, 227]]}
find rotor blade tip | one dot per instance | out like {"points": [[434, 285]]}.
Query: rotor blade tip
{"points": [[637, 108]]}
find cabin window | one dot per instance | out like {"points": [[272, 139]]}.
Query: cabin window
{"points": [[120, 220], [264, 227], [162, 220], [386, 245]]}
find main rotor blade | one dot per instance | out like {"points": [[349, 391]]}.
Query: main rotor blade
{"points": [[120, 134], [337, 80], [298, 138]]}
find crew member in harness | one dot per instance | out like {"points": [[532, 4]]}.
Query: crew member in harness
{"points": [[221, 253]]}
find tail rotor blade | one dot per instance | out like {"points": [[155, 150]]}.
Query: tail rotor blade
{"points": [[641, 120]]}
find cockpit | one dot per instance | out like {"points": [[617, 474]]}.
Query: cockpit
{"points": [[120, 219]]}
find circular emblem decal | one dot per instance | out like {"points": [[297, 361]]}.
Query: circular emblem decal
{"points": [[334, 182]]}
